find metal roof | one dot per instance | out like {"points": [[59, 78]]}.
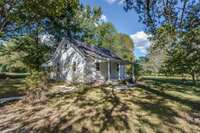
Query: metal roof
{"points": [[95, 51], [86, 50]]}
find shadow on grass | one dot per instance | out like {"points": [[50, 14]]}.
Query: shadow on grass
{"points": [[99, 109], [192, 104], [11, 87], [107, 112], [111, 110], [158, 107]]}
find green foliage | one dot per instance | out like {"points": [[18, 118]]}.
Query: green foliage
{"points": [[105, 35], [138, 71], [36, 84], [32, 53], [35, 80], [10, 59], [164, 37], [88, 20], [161, 42], [22, 54], [174, 50], [58, 18], [174, 25], [123, 46], [178, 51], [181, 14], [184, 57]]}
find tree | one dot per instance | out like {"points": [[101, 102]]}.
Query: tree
{"points": [[153, 62], [24, 53], [161, 43], [174, 25], [185, 56], [58, 18], [61, 18], [138, 70], [108, 37], [46, 16], [10, 59], [181, 14], [8, 19], [32, 53], [124, 47], [105, 35], [89, 21]]}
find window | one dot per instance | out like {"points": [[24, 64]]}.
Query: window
{"points": [[118, 65], [74, 66], [97, 66]]}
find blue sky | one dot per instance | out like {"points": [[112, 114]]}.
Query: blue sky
{"points": [[125, 22]]}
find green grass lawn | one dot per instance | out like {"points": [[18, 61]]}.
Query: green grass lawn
{"points": [[155, 105]]}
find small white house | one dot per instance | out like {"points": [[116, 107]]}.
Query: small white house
{"points": [[75, 61]]}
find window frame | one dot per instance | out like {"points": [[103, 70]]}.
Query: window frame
{"points": [[118, 67], [97, 65], [74, 67]]}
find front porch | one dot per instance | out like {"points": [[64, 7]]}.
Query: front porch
{"points": [[112, 70]]}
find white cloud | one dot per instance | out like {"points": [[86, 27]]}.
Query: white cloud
{"points": [[120, 2], [141, 41], [103, 18], [111, 1], [47, 39]]}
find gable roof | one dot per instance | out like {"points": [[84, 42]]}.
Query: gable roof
{"points": [[85, 50], [95, 51]]}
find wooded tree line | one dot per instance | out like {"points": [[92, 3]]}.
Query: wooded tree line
{"points": [[175, 28], [24, 22]]}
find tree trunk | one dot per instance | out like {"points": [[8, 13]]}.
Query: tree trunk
{"points": [[183, 78], [193, 78]]}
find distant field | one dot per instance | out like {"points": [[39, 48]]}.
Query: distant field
{"points": [[168, 77], [175, 80], [155, 105]]}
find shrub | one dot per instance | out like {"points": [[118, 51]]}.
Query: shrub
{"points": [[36, 84], [2, 76]]}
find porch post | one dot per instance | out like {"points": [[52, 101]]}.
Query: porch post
{"points": [[125, 76], [119, 72], [109, 70]]}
